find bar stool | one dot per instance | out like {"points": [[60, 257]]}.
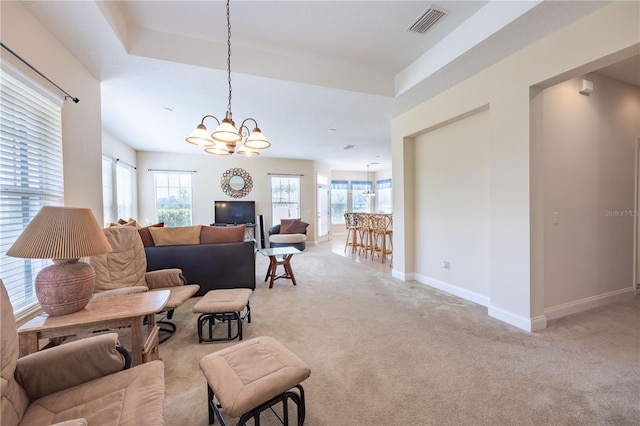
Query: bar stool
{"points": [[351, 223], [364, 233], [382, 233]]}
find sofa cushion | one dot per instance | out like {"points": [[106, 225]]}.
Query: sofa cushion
{"points": [[183, 235], [287, 238], [222, 234], [145, 234]]}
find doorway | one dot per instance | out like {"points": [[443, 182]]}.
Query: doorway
{"points": [[323, 207]]}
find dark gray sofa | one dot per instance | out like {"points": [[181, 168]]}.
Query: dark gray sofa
{"points": [[213, 266]]}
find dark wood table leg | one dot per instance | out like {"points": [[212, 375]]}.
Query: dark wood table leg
{"points": [[287, 267], [266, 277], [273, 266], [273, 269]]}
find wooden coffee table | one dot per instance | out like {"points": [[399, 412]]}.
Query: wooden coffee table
{"points": [[285, 254], [102, 313]]}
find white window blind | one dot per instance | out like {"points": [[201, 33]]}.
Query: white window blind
{"points": [[30, 173], [117, 189], [124, 189], [285, 198], [360, 203], [339, 198], [383, 189], [108, 212]]}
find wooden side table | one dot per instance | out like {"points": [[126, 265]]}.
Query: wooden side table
{"points": [[104, 312], [286, 253]]}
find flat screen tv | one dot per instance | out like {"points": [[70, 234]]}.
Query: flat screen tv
{"points": [[235, 212]]}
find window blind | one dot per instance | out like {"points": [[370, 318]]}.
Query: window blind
{"points": [[30, 173], [361, 185], [107, 191], [383, 184], [124, 188], [285, 198], [339, 184]]}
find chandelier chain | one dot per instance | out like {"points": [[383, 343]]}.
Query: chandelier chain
{"points": [[227, 138], [229, 56]]}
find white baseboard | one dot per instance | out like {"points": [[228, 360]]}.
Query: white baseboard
{"points": [[401, 275], [451, 289], [523, 323], [539, 323], [588, 303]]}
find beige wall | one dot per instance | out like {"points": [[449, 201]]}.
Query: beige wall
{"points": [[206, 183], [81, 123], [516, 289], [589, 160], [452, 202]]}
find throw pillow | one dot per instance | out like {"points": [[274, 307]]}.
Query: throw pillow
{"points": [[145, 234], [285, 224], [222, 234], [122, 222], [182, 235], [297, 227]]}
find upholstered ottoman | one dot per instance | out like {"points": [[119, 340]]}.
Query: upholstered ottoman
{"points": [[224, 305], [245, 379]]}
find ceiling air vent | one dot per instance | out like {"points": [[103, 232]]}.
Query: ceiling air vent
{"points": [[426, 20]]}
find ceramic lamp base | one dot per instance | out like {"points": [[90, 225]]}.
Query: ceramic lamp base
{"points": [[65, 287]]}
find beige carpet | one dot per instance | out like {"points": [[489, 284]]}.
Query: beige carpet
{"points": [[386, 352]]}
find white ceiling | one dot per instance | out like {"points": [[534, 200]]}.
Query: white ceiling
{"points": [[299, 68]]}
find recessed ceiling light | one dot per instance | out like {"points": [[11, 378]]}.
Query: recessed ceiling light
{"points": [[332, 130], [348, 146], [374, 163], [167, 109]]}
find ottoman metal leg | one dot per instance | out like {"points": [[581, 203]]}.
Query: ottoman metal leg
{"points": [[296, 397], [209, 319]]}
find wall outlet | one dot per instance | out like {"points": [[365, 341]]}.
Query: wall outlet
{"points": [[445, 265]]}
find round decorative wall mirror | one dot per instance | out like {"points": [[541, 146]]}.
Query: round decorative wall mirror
{"points": [[236, 182]]}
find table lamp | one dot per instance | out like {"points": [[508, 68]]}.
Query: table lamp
{"points": [[63, 234]]}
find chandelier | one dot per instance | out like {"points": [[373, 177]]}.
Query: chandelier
{"points": [[368, 193], [226, 138]]}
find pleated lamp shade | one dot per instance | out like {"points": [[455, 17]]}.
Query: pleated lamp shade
{"points": [[63, 234]]}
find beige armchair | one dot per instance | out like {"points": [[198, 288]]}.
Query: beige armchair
{"points": [[124, 271], [77, 383]]}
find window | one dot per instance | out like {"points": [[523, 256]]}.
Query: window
{"points": [[285, 198], [339, 198], [117, 204], [360, 203], [383, 194], [173, 198], [30, 173]]}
